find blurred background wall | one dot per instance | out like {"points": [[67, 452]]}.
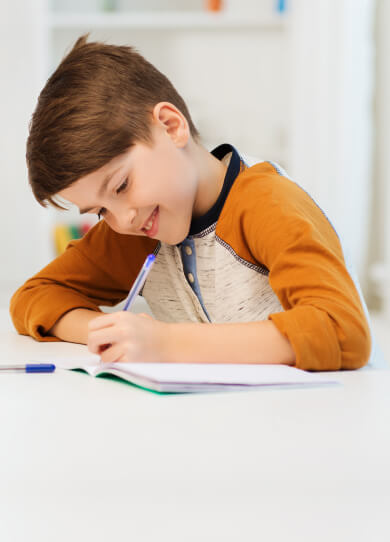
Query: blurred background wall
{"points": [[299, 82], [379, 245]]}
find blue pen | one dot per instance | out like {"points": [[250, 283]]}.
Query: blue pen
{"points": [[139, 281], [29, 368]]}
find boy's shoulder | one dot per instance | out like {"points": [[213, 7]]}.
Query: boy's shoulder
{"points": [[264, 199], [264, 184]]}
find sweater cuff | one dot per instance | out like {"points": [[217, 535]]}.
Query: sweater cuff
{"points": [[312, 337]]}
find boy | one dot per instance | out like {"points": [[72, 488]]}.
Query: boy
{"points": [[248, 268]]}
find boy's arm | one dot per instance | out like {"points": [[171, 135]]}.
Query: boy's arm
{"points": [[72, 327], [96, 270], [252, 342], [323, 317], [138, 338]]}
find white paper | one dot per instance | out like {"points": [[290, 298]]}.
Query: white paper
{"points": [[198, 376]]}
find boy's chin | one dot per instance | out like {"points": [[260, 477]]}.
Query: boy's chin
{"points": [[176, 239]]}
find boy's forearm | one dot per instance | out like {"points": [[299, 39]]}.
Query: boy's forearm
{"points": [[252, 342], [73, 326]]}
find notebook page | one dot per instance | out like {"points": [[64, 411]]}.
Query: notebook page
{"points": [[220, 374]]}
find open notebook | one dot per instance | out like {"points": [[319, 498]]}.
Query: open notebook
{"points": [[198, 377]]}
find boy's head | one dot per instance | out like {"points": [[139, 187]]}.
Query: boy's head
{"points": [[100, 101]]}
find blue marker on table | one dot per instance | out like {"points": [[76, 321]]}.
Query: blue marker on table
{"points": [[29, 368], [139, 281]]}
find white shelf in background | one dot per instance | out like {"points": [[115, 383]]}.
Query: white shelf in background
{"points": [[167, 20]]}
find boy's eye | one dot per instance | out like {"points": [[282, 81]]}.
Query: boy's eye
{"points": [[122, 186]]}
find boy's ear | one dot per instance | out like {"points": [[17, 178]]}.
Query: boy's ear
{"points": [[173, 122]]}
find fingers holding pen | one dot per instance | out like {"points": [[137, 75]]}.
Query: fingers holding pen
{"points": [[102, 339], [127, 337], [110, 335], [113, 352], [103, 321]]}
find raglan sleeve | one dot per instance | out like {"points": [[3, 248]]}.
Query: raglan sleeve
{"points": [[93, 271], [323, 317]]}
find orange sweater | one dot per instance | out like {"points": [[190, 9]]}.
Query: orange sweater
{"points": [[264, 251]]}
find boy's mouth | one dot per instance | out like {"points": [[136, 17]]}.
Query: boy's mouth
{"points": [[151, 225]]}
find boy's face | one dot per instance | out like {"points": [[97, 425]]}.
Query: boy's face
{"points": [[151, 190]]}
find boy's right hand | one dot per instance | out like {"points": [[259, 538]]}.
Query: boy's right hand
{"points": [[127, 337]]}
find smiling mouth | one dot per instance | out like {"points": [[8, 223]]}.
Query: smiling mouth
{"points": [[151, 223]]}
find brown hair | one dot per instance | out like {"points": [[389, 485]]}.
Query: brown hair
{"points": [[96, 105]]}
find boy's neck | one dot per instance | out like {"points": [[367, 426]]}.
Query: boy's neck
{"points": [[211, 176]]}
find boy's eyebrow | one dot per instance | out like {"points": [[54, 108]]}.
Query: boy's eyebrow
{"points": [[102, 190]]}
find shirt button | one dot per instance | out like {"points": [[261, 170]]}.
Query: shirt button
{"points": [[191, 277], [188, 250]]}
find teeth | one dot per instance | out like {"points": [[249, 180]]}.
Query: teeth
{"points": [[150, 223]]}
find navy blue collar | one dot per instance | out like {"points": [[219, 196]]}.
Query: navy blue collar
{"points": [[201, 223]]}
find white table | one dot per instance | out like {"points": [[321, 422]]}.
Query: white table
{"points": [[86, 459]]}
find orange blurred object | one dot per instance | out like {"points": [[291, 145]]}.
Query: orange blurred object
{"points": [[214, 5]]}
